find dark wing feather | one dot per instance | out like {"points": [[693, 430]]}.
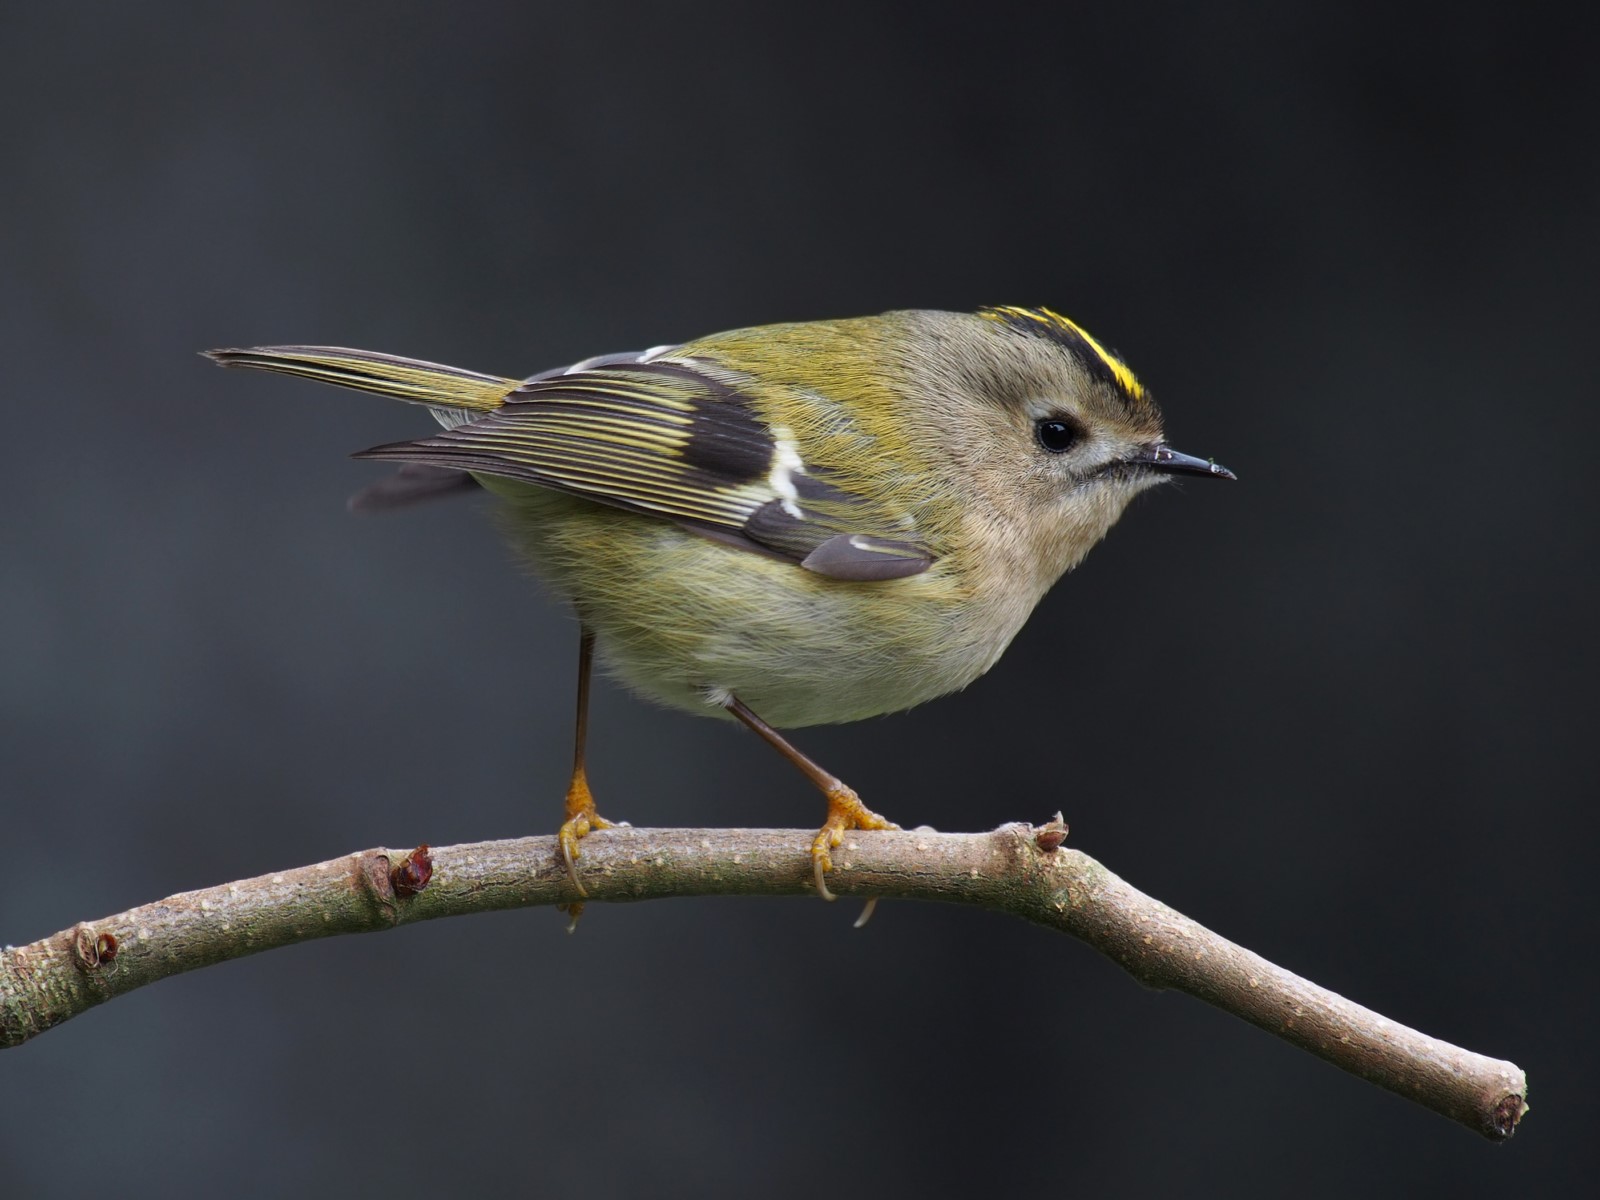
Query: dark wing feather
{"points": [[413, 483], [670, 440]]}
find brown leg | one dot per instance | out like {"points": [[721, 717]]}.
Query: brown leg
{"points": [[845, 810], [581, 816]]}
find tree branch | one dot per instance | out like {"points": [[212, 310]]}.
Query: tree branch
{"points": [[1016, 869]]}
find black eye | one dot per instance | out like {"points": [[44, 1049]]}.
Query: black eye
{"points": [[1056, 435]]}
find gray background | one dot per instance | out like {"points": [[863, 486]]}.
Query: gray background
{"points": [[1340, 711]]}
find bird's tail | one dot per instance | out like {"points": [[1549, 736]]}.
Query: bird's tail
{"points": [[453, 394]]}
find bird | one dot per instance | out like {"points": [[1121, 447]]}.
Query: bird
{"points": [[792, 524]]}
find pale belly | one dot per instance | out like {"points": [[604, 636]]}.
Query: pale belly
{"points": [[687, 621]]}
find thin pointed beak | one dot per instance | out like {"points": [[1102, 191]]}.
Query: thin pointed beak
{"points": [[1165, 459]]}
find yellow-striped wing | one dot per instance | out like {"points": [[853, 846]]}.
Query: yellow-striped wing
{"points": [[670, 438]]}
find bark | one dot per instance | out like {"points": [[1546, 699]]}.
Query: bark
{"points": [[1016, 869]]}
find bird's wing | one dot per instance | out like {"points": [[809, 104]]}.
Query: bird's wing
{"points": [[671, 437]]}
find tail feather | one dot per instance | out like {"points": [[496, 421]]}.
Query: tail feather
{"points": [[408, 379]]}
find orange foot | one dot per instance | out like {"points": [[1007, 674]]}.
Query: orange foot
{"points": [[845, 812], [582, 820]]}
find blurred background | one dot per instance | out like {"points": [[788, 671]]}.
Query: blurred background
{"points": [[1341, 711]]}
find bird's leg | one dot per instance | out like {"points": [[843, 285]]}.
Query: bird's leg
{"points": [[581, 816], [845, 810]]}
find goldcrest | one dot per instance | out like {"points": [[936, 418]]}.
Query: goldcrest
{"points": [[797, 524]]}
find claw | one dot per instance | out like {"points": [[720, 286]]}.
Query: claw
{"points": [[573, 911], [845, 812], [821, 862], [582, 820], [569, 835]]}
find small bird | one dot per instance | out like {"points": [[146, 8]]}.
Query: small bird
{"points": [[788, 525]]}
